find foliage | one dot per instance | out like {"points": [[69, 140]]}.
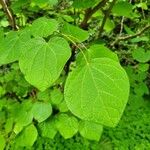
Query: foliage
{"points": [[65, 68]]}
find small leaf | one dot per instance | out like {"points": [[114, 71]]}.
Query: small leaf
{"points": [[2, 142], [67, 125], [48, 129], [41, 111], [141, 55], [90, 130], [56, 96], [27, 137], [43, 62], [75, 33], [11, 47], [44, 27], [122, 8], [98, 91]]}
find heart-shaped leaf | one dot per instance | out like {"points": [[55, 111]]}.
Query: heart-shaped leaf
{"points": [[98, 91], [43, 62]]}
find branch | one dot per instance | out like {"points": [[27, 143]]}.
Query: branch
{"points": [[106, 16], [131, 36], [9, 14], [89, 12]]}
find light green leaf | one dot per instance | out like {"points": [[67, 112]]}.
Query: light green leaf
{"points": [[122, 8], [2, 142], [90, 130], [67, 125], [48, 129], [63, 107], [27, 137], [43, 62], [75, 33], [98, 91], [56, 96], [100, 51], [11, 47], [44, 27], [141, 55], [23, 119], [84, 3], [43, 3], [41, 111]]}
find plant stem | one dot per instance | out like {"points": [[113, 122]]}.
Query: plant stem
{"points": [[9, 14], [107, 13], [122, 38], [89, 12]]}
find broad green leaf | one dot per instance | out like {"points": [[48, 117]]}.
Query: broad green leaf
{"points": [[141, 55], [96, 51], [67, 125], [122, 8], [11, 47], [74, 33], [44, 96], [56, 96], [90, 130], [2, 142], [41, 111], [98, 91], [27, 137], [43, 62], [100, 51], [84, 3], [44, 27], [48, 129]]}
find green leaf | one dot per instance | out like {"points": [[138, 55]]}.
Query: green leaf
{"points": [[90, 130], [84, 3], [98, 91], [23, 119], [74, 33], [44, 27], [2, 142], [48, 129], [141, 55], [43, 3], [122, 8], [41, 111], [56, 96], [43, 62], [27, 137], [11, 47], [67, 125], [100, 51]]}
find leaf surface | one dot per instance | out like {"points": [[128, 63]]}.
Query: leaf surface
{"points": [[43, 62], [90, 130], [43, 27], [98, 91]]}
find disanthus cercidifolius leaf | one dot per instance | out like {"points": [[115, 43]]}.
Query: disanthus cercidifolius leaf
{"points": [[43, 27], [67, 125], [27, 137], [43, 3], [11, 47], [98, 91], [90, 130], [84, 3], [43, 62], [41, 111], [74, 32], [48, 129], [2, 142]]}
